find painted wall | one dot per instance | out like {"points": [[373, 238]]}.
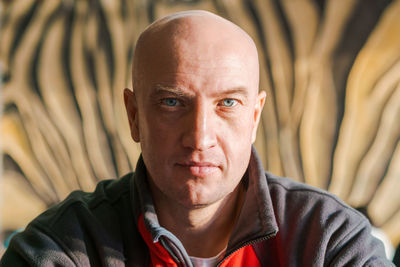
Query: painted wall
{"points": [[331, 70]]}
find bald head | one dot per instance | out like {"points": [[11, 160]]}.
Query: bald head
{"points": [[175, 42]]}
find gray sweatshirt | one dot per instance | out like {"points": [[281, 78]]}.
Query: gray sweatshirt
{"points": [[283, 222]]}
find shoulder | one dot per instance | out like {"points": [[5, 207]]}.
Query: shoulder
{"points": [[318, 225], [306, 205], [302, 197], [84, 226], [88, 204]]}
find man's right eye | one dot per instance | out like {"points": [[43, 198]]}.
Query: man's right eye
{"points": [[170, 102]]}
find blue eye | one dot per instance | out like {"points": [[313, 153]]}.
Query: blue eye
{"points": [[229, 102], [170, 102]]}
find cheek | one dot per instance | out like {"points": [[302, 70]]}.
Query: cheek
{"points": [[240, 128], [157, 136], [236, 141]]}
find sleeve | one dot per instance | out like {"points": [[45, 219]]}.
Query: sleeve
{"points": [[35, 248], [357, 247]]}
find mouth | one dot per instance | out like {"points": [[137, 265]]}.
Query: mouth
{"points": [[199, 169]]}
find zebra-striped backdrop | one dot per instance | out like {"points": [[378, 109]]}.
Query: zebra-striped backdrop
{"points": [[331, 70]]}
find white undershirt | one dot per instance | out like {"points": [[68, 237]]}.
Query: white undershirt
{"points": [[208, 262]]}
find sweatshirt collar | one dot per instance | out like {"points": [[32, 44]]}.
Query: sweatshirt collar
{"points": [[256, 218]]}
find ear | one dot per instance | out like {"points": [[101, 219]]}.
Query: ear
{"points": [[132, 112], [257, 113]]}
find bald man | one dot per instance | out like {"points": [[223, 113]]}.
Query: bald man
{"points": [[199, 195]]}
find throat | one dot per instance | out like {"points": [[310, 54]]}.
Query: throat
{"points": [[211, 261], [205, 231]]}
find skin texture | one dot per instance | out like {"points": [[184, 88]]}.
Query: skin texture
{"points": [[194, 109]]}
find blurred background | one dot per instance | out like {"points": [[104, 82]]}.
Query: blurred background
{"points": [[331, 70]]}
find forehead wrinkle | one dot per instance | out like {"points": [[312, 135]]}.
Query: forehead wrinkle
{"points": [[160, 89]]}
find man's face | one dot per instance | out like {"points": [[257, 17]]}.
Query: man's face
{"points": [[197, 114]]}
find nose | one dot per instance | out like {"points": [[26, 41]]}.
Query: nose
{"points": [[199, 128]]}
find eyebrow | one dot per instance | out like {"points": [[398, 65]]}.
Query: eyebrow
{"points": [[236, 91], [162, 89]]}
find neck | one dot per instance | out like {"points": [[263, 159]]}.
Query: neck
{"points": [[205, 231]]}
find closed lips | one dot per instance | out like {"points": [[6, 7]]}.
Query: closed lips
{"points": [[199, 168]]}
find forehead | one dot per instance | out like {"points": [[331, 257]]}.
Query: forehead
{"points": [[199, 78], [195, 53]]}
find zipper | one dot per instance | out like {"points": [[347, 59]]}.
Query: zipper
{"points": [[248, 243]]}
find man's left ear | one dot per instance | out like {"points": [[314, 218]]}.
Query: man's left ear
{"points": [[257, 113]]}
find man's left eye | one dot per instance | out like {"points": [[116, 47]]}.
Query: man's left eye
{"points": [[229, 102]]}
